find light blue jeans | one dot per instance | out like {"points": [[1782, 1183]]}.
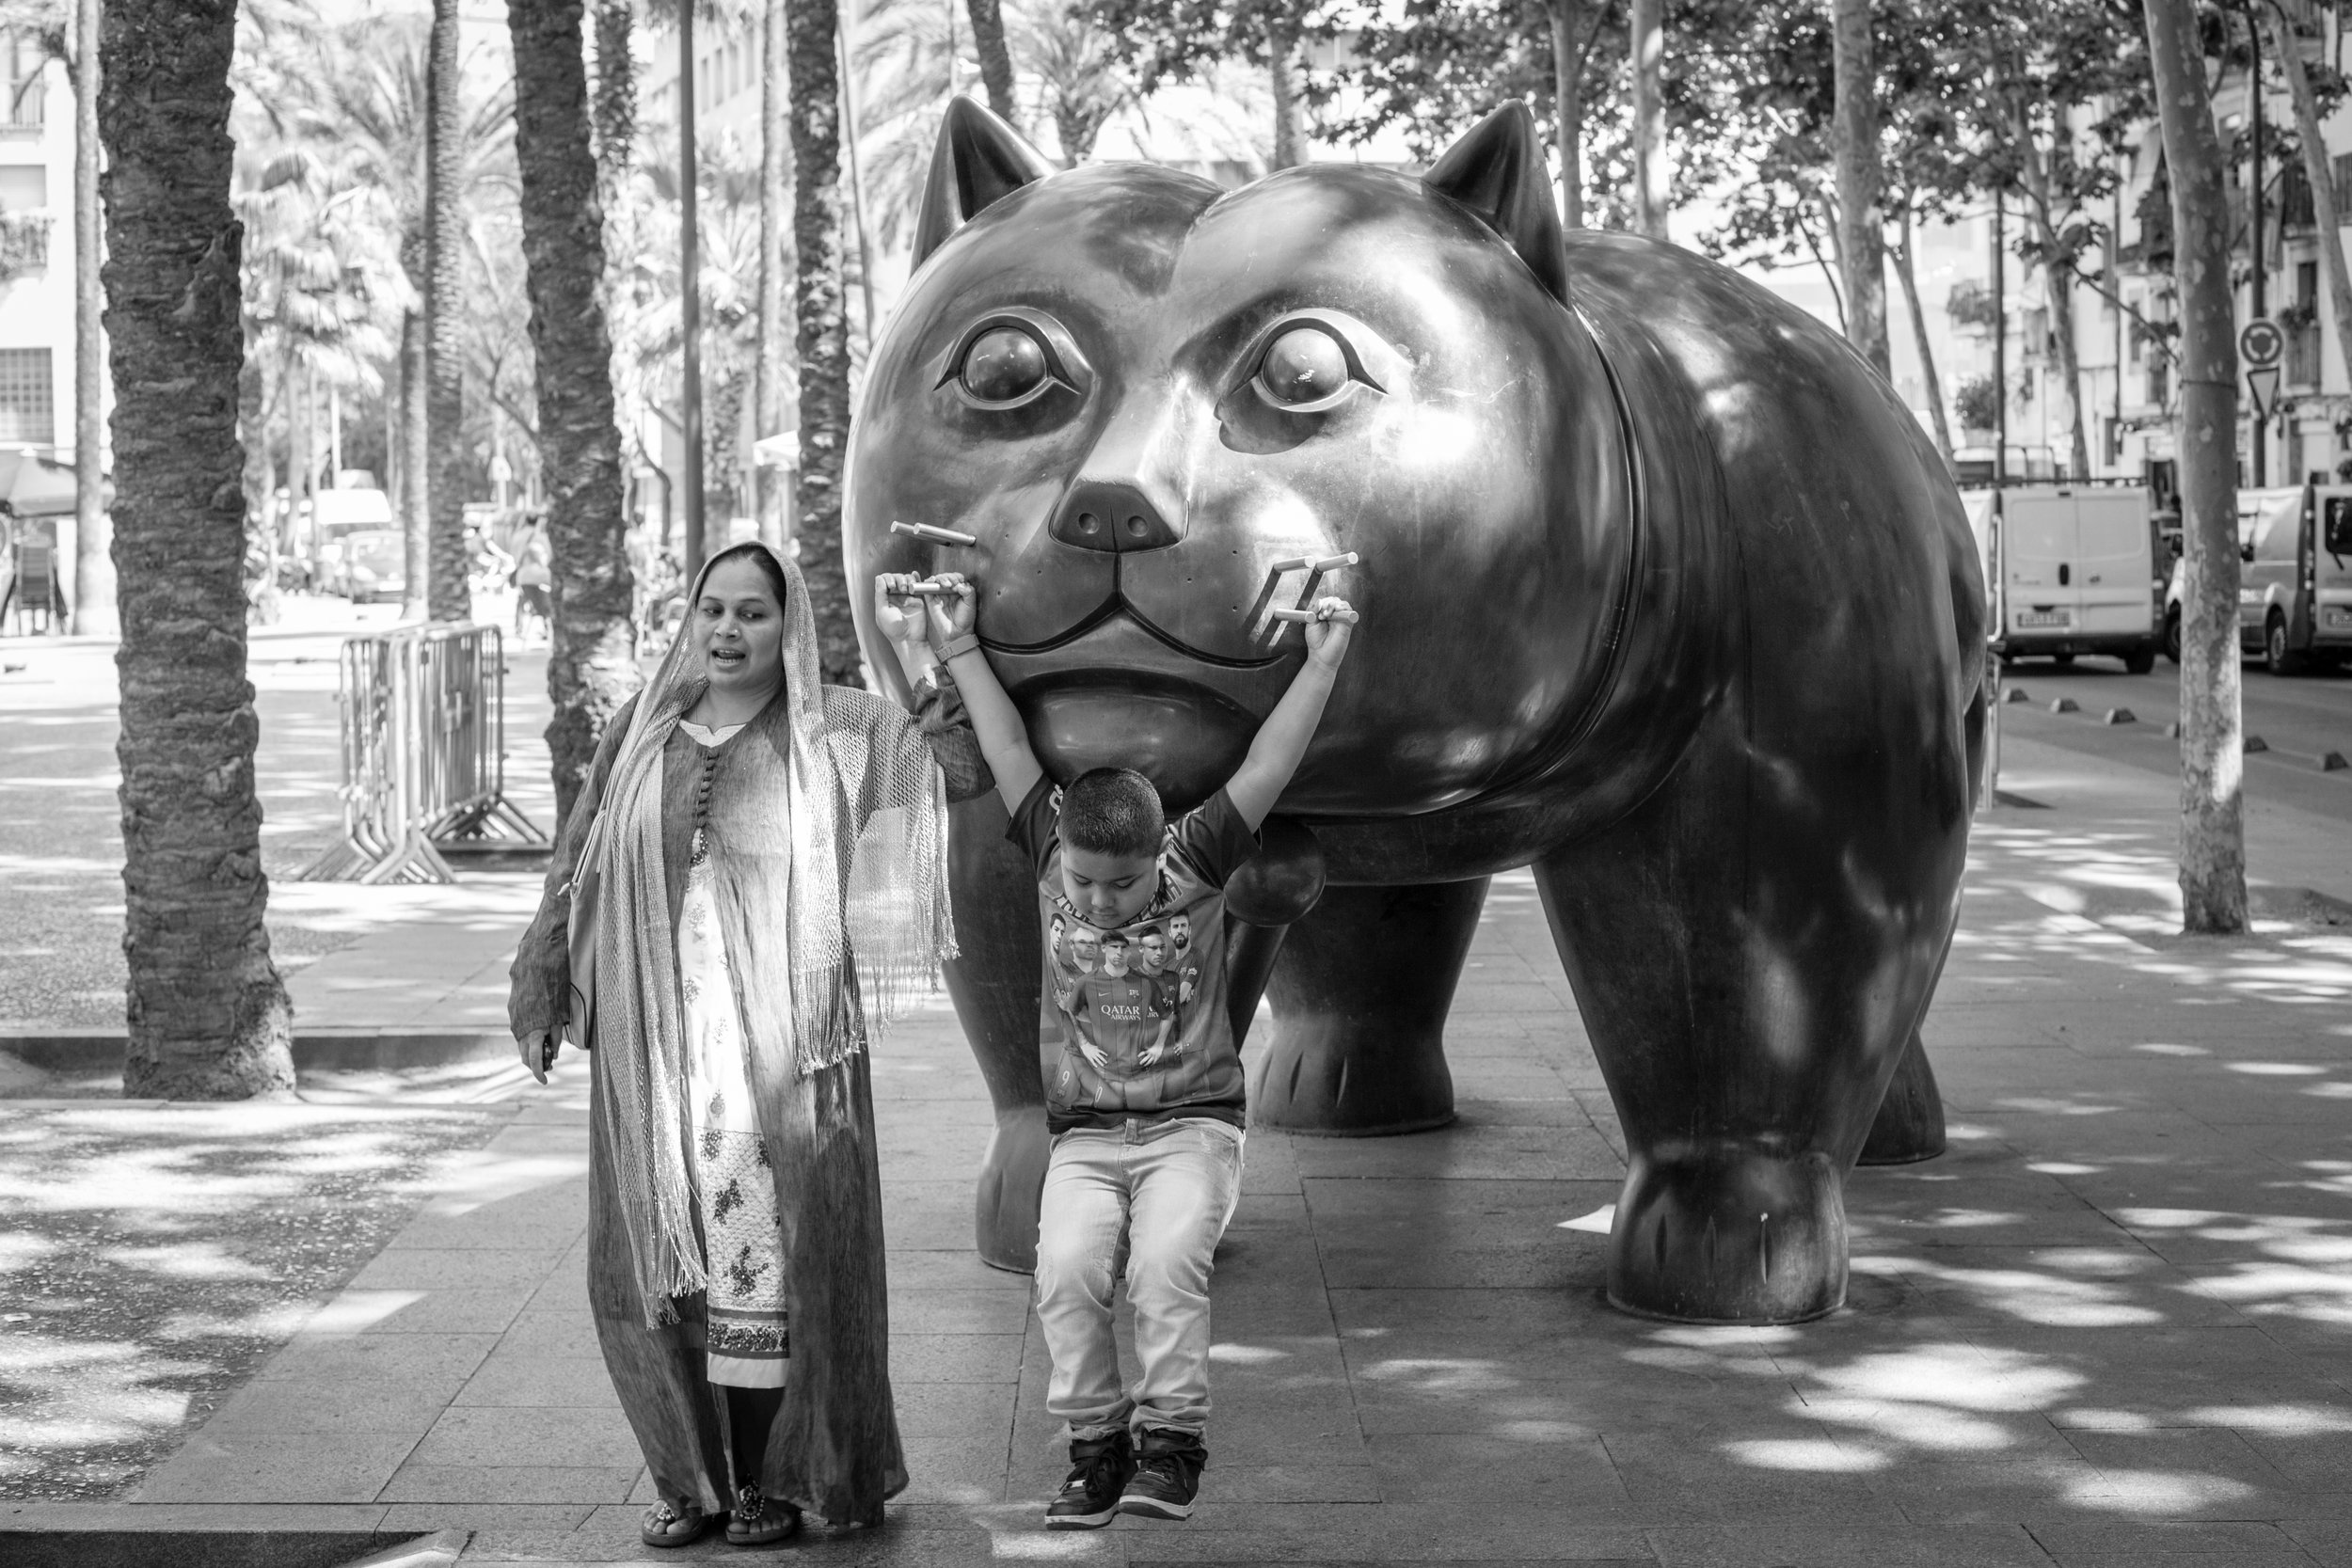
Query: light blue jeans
{"points": [[1158, 1196]]}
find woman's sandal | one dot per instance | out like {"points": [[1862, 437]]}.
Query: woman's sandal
{"points": [[757, 1522], [664, 1525]]}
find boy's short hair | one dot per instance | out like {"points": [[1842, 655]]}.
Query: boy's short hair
{"points": [[1112, 811]]}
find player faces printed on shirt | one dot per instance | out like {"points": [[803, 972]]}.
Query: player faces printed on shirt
{"points": [[1122, 1032]]}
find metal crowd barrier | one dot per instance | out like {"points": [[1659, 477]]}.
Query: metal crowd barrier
{"points": [[424, 756]]}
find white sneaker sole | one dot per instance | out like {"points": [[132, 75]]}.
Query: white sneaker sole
{"points": [[1153, 1508], [1082, 1521]]}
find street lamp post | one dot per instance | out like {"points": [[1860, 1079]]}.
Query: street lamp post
{"points": [[689, 295]]}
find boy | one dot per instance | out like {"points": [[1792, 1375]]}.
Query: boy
{"points": [[1146, 1103]]}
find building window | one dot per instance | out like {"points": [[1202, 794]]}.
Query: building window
{"points": [[24, 61], [27, 401]]}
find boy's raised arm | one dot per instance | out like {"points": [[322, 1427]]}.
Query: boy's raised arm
{"points": [[1281, 740], [1004, 740]]}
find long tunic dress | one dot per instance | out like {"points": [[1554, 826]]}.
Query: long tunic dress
{"points": [[834, 1449], [748, 1328]]}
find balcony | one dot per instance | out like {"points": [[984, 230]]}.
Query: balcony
{"points": [[23, 245], [24, 110]]}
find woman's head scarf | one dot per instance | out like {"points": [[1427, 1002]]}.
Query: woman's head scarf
{"points": [[830, 851]]}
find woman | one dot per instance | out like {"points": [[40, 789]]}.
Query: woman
{"points": [[760, 869]]}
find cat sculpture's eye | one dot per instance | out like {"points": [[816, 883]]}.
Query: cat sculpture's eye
{"points": [[1011, 358], [1308, 366], [1302, 366], [1003, 366]]}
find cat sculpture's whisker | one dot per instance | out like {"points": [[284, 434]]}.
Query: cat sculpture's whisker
{"points": [[937, 535], [928, 589], [1310, 564]]}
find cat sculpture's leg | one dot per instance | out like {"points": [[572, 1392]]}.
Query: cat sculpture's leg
{"points": [[1751, 964], [993, 982], [1360, 994]]}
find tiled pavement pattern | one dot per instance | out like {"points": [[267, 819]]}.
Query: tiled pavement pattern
{"points": [[2113, 1325]]}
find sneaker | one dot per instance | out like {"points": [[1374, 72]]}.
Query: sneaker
{"points": [[1168, 1474], [1099, 1469]]}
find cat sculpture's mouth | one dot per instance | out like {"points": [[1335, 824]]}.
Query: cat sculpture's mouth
{"points": [[1116, 691], [1114, 606]]}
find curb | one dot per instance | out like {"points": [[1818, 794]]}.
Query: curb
{"points": [[102, 1049], [110, 1546]]}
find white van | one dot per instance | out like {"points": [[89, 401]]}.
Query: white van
{"points": [[2074, 572], [2294, 585]]}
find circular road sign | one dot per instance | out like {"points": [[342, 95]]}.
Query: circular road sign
{"points": [[2260, 342]]}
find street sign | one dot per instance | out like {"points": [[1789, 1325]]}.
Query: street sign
{"points": [[2260, 342]]}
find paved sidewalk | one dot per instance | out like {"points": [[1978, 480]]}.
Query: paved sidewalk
{"points": [[2114, 1324]]}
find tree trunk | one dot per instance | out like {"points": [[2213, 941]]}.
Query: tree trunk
{"points": [[2213, 762], [94, 546], [1290, 135], [259, 479], [446, 596], [690, 304], [1921, 338], [416, 456], [2059, 286], [1862, 225], [302, 465], [591, 652], [988, 40], [767, 366], [822, 337], [1647, 42], [207, 1015], [2319, 176], [1568, 106], [614, 108]]}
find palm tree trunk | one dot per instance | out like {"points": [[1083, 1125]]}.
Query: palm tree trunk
{"points": [[1646, 26], [94, 546], [2213, 761], [416, 457], [1921, 337], [1568, 106], [822, 337], [207, 1014], [689, 271], [988, 40], [590, 667], [768, 367], [446, 598], [1290, 135], [1854, 138], [2317, 173]]}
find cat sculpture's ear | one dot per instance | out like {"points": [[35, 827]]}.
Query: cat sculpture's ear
{"points": [[1496, 172], [979, 160]]}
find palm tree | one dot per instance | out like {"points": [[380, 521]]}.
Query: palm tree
{"points": [[446, 596], [591, 667], [822, 338], [208, 1015], [361, 96]]}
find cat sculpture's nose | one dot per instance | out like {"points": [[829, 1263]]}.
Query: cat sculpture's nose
{"points": [[1112, 516]]}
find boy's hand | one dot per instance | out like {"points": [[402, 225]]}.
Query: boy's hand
{"points": [[897, 613], [952, 615], [1328, 634]]}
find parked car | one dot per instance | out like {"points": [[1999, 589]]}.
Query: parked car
{"points": [[374, 564], [341, 513]]}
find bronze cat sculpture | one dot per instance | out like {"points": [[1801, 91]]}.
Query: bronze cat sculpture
{"points": [[1665, 593]]}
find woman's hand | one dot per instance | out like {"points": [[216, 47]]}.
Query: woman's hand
{"points": [[897, 611], [952, 614], [538, 1049]]}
